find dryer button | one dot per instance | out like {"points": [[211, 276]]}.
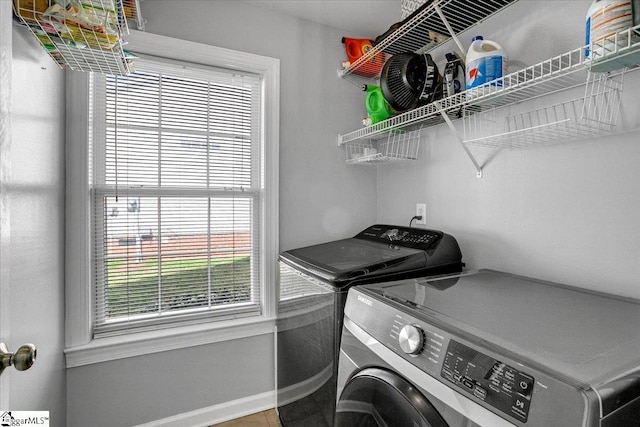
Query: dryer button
{"points": [[524, 385]]}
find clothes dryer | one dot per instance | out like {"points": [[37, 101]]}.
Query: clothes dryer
{"points": [[488, 349]]}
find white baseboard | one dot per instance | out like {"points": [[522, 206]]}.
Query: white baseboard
{"points": [[218, 413]]}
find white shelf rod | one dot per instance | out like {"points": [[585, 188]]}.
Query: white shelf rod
{"points": [[453, 34], [140, 22], [459, 138]]}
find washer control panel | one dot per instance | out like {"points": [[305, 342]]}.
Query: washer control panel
{"points": [[496, 383], [489, 380], [417, 238]]}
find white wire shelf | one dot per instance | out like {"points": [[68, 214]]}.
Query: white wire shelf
{"points": [[595, 113], [400, 146], [554, 75], [426, 29], [617, 51], [87, 37]]}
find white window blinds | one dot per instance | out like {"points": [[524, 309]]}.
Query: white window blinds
{"points": [[176, 179]]}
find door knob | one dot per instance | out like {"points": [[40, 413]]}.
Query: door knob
{"points": [[22, 359]]}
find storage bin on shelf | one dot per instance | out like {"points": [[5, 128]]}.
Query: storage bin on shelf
{"points": [[593, 114], [86, 36], [400, 145]]}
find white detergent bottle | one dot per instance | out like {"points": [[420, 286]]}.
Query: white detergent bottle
{"points": [[604, 19], [486, 61]]}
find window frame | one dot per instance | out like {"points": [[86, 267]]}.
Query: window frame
{"points": [[153, 180], [81, 347]]}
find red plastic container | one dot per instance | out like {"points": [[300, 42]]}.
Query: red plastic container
{"points": [[356, 48]]}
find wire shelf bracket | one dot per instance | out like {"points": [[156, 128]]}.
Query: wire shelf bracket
{"points": [[461, 141]]}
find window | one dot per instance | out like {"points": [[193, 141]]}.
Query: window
{"points": [[172, 196], [177, 183]]}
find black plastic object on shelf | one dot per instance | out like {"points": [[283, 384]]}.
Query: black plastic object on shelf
{"points": [[454, 75], [409, 80]]}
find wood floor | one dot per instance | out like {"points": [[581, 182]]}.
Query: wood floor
{"points": [[261, 419]]}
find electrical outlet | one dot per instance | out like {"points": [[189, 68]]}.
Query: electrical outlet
{"points": [[421, 210]]}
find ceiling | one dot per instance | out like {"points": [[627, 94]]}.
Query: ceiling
{"points": [[366, 18]]}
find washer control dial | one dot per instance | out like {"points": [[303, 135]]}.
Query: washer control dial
{"points": [[411, 339]]}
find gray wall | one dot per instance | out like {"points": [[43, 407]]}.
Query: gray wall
{"points": [[141, 389], [321, 199], [565, 213], [33, 237]]}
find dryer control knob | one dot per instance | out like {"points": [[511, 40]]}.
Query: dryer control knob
{"points": [[411, 339]]}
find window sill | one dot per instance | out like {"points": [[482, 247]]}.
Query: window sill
{"points": [[138, 344]]}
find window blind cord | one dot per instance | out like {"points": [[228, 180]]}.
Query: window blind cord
{"points": [[115, 138], [235, 184], [208, 150]]}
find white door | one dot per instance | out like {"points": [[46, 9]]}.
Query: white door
{"points": [[5, 134], [32, 134]]}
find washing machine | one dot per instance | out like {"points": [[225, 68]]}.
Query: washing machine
{"points": [[314, 281], [488, 349]]}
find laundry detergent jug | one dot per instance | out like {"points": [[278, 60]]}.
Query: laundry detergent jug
{"points": [[378, 108], [486, 62], [604, 19], [356, 48]]}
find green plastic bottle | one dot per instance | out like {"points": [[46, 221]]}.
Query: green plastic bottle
{"points": [[377, 107]]}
